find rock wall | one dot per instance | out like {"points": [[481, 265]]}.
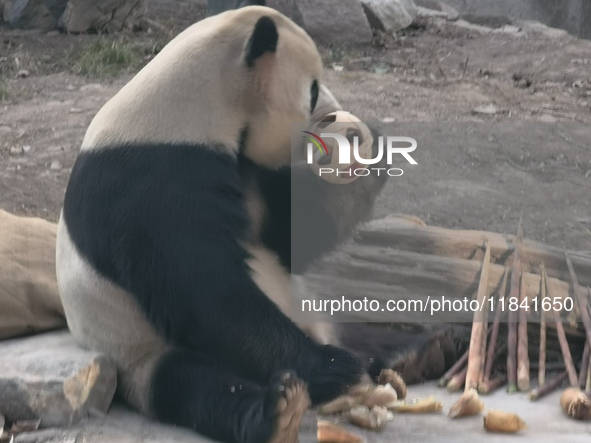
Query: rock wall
{"points": [[573, 16], [74, 16]]}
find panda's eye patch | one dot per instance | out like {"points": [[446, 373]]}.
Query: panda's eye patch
{"points": [[314, 95]]}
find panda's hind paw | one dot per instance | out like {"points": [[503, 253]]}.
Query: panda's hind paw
{"points": [[287, 400]]}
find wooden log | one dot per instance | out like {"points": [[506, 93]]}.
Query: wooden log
{"points": [[425, 275], [402, 234]]}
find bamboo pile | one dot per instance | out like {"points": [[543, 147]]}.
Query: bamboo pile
{"points": [[547, 328]]}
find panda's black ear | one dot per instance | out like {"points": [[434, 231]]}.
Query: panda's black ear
{"points": [[263, 39]]}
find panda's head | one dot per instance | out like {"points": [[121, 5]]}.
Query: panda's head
{"points": [[236, 81]]}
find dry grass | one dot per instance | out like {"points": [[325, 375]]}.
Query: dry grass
{"points": [[3, 91], [108, 57], [104, 57]]}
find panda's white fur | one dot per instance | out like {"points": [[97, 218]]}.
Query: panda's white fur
{"points": [[102, 316], [199, 90], [229, 89]]}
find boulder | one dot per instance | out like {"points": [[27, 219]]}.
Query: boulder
{"points": [[330, 21], [49, 378], [33, 14], [390, 15], [101, 15]]}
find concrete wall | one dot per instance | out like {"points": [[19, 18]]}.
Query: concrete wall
{"points": [[571, 15]]}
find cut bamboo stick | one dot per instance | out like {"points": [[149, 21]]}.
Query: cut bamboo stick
{"points": [[542, 356], [573, 378], [522, 344], [490, 385], [476, 340], [458, 366], [514, 294], [549, 387], [495, 330], [588, 380], [581, 297], [457, 381], [485, 333], [584, 366]]}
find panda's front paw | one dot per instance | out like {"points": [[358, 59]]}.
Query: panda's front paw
{"points": [[334, 373]]}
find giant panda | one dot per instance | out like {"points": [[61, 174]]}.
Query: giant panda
{"points": [[154, 264], [164, 257]]}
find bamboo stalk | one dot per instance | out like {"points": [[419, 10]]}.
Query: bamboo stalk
{"points": [[486, 331], [588, 380], [522, 344], [583, 303], [542, 356], [455, 384], [476, 351], [495, 330], [490, 385], [573, 378], [512, 326], [443, 381], [549, 387], [584, 366]]}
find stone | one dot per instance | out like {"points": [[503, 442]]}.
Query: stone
{"points": [[101, 15], [452, 13], [428, 12], [215, 7], [91, 87], [390, 15], [29, 14], [16, 150], [49, 378], [330, 21], [288, 8]]}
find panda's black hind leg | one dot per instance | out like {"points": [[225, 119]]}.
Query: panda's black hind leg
{"points": [[196, 392]]}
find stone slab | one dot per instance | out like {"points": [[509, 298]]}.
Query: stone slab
{"points": [[48, 377]]}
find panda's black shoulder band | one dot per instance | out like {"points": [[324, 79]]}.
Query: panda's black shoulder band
{"points": [[263, 39]]}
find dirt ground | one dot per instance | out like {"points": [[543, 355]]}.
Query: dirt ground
{"points": [[530, 147]]}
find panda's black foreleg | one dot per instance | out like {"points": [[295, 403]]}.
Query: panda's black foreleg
{"points": [[251, 335], [193, 391]]}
